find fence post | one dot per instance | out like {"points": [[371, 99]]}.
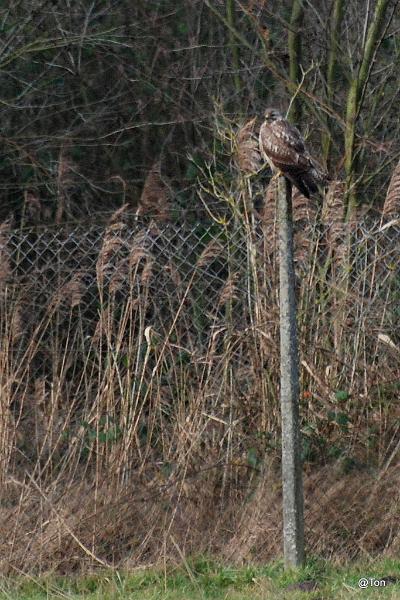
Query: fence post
{"points": [[292, 480]]}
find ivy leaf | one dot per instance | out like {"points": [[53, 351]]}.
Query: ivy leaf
{"points": [[342, 419], [252, 457], [342, 395]]}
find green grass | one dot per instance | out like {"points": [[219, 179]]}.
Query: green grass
{"points": [[206, 580]]}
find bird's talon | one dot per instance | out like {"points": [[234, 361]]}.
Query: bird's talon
{"points": [[277, 175]]}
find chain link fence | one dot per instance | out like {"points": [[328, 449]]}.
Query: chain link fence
{"points": [[86, 269], [144, 357], [72, 293], [206, 271]]}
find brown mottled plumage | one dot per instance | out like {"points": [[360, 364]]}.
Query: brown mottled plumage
{"points": [[283, 148]]}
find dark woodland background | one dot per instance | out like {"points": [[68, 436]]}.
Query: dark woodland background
{"points": [[94, 95]]}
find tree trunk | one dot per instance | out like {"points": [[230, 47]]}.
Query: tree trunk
{"points": [[356, 96], [230, 17], [331, 71], [294, 43]]}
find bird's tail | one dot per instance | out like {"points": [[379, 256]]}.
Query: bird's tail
{"points": [[316, 178], [318, 173]]}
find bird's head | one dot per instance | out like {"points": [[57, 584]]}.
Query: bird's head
{"points": [[272, 114]]}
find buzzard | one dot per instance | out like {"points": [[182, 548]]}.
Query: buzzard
{"points": [[283, 148]]}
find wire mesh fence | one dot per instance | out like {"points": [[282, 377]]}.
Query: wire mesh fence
{"points": [[86, 269], [147, 354], [206, 271]]}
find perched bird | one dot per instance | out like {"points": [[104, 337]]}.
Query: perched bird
{"points": [[282, 146]]}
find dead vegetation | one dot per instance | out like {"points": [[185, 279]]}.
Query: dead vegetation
{"points": [[391, 206], [139, 405], [94, 526]]}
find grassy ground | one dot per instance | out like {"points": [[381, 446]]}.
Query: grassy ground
{"points": [[206, 580]]}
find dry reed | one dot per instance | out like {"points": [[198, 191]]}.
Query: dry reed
{"points": [[143, 404], [391, 205]]}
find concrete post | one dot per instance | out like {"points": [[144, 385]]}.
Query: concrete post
{"points": [[292, 479]]}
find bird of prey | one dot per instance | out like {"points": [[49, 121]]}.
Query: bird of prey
{"points": [[282, 146]]}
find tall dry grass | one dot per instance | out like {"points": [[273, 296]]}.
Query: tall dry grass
{"points": [[139, 390]]}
